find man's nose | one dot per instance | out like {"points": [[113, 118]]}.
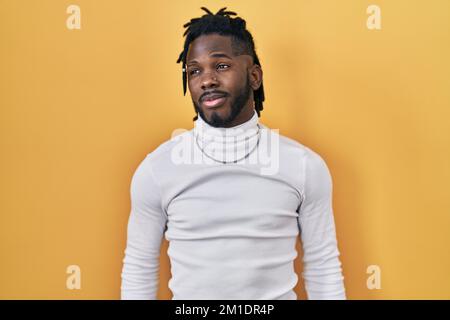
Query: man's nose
{"points": [[209, 80]]}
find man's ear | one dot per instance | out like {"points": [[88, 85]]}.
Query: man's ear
{"points": [[256, 75]]}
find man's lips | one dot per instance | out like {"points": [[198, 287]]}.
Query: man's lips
{"points": [[213, 100]]}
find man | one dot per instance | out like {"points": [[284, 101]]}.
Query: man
{"points": [[231, 226]]}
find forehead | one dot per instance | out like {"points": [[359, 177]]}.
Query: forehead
{"points": [[206, 44]]}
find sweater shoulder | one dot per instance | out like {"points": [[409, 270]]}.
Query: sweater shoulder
{"points": [[293, 146], [162, 154], [311, 158], [303, 158]]}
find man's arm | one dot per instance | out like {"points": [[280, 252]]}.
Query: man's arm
{"points": [[146, 226], [322, 271]]}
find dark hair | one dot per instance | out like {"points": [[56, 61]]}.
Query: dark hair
{"points": [[222, 24]]}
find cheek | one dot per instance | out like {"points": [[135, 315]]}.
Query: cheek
{"points": [[192, 89], [234, 83]]}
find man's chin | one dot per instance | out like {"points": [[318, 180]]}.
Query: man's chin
{"points": [[216, 117]]}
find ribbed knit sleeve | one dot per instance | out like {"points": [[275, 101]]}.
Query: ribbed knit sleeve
{"points": [[322, 272], [146, 226]]}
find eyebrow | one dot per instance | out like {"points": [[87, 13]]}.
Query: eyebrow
{"points": [[214, 55]]}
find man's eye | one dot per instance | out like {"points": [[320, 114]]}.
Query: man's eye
{"points": [[223, 65], [192, 72]]}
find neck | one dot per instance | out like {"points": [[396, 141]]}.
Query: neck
{"points": [[250, 122], [244, 116]]}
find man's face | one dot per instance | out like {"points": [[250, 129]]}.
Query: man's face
{"points": [[221, 84]]}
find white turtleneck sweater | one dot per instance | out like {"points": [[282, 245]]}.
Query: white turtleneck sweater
{"points": [[232, 227]]}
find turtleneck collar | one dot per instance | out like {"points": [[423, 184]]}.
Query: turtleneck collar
{"points": [[227, 144]]}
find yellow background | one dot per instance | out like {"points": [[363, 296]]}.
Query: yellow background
{"points": [[81, 108]]}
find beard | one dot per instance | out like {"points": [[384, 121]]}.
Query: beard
{"points": [[237, 104]]}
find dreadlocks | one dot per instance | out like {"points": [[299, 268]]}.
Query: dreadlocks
{"points": [[222, 24]]}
